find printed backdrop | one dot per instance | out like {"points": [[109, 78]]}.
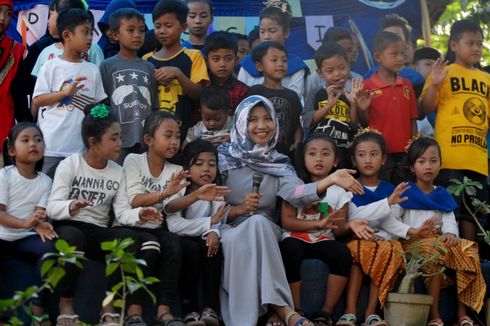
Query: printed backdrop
{"points": [[311, 18]]}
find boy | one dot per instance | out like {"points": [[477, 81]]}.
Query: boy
{"points": [[345, 39], [271, 61], [216, 124], [198, 20], [331, 109], [65, 85], [129, 79], [180, 72], [390, 104], [221, 52], [243, 46]]}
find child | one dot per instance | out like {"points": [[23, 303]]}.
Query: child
{"points": [[220, 51], [332, 109], [66, 84], [202, 209], [84, 189], [310, 232], [275, 21], [380, 257], [199, 19], [129, 80], [390, 95], [180, 72], [215, 125], [459, 95], [108, 42], [271, 60], [11, 55], [243, 47], [150, 180], [425, 201], [24, 230]]}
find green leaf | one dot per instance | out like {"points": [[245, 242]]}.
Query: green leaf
{"points": [[46, 266], [139, 273], [150, 280], [118, 303], [133, 287], [470, 190], [109, 245], [126, 243], [55, 275], [455, 181], [117, 287], [110, 268], [61, 245], [455, 189]]}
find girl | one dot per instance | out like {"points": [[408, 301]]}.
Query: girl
{"points": [[203, 208], [310, 233], [380, 257], [24, 230], [85, 187], [425, 201], [447, 90], [198, 20], [275, 21], [249, 237]]}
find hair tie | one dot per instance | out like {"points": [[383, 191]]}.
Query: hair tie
{"points": [[413, 139], [85, 4], [363, 131], [100, 111], [280, 4]]}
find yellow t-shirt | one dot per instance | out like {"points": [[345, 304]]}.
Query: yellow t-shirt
{"points": [[462, 118]]}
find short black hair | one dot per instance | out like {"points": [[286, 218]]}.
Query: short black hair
{"points": [[69, 19], [426, 53], [240, 36], [383, 40], [220, 40], [253, 36], [123, 13], [177, 7], [154, 120], [60, 5], [9, 142], [335, 34], [395, 20], [327, 51], [208, 2], [95, 126], [215, 98], [261, 50]]}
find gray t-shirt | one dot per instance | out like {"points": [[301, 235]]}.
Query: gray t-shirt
{"points": [[133, 94]]}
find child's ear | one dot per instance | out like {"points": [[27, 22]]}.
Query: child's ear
{"points": [[92, 141], [259, 66], [66, 35], [377, 56], [114, 34], [11, 150], [452, 45], [147, 139]]}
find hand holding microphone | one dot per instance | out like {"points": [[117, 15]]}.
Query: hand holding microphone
{"points": [[255, 195]]}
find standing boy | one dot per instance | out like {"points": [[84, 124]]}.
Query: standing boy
{"points": [[390, 106], [65, 85], [220, 49], [129, 79], [180, 72]]}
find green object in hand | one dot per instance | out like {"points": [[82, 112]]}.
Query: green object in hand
{"points": [[322, 207]]}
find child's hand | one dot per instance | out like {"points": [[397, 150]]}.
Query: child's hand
{"points": [[212, 242], [74, 87], [212, 192], [220, 140], [357, 85], [363, 99], [395, 198], [329, 221], [361, 229], [250, 203], [147, 214], [450, 239], [427, 228], [36, 217], [45, 231], [439, 72], [76, 205], [165, 75], [220, 214], [333, 92], [343, 178], [175, 183]]}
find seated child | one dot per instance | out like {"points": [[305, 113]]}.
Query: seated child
{"points": [[216, 124]]}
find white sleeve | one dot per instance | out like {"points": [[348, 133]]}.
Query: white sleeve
{"points": [[184, 227], [43, 82], [371, 212], [43, 201], [124, 213], [449, 224], [393, 224], [132, 176], [58, 207], [297, 83], [4, 189]]}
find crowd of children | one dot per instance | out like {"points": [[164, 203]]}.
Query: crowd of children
{"points": [[227, 161]]}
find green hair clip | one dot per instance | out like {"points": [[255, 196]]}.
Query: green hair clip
{"points": [[100, 111], [323, 208], [85, 4]]}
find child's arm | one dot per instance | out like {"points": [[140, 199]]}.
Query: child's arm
{"points": [[343, 178], [356, 88], [428, 100], [363, 101], [165, 74], [413, 127], [209, 192], [54, 97], [10, 221], [290, 221], [333, 93]]}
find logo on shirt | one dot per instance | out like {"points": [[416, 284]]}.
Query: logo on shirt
{"points": [[77, 100], [474, 111]]}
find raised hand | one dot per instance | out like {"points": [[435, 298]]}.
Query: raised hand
{"points": [[148, 214], [439, 72], [333, 92], [176, 182], [220, 214], [357, 86], [76, 205], [395, 198], [36, 217], [212, 192], [363, 99], [361, 229], [45, 231], [343, 178], [74, 87]]}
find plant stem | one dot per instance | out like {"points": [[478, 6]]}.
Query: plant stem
{"points": [[123, 308], [465, 204]]}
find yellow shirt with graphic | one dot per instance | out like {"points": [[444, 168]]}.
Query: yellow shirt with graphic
{"points": [[462, 118]]}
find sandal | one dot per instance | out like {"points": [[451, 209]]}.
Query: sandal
{"points": [[347, 320], [168, 322], [274, 320], [192, 319], [375, 320], [209, 317], [322, 318], [302, 321], [68, 320], [42, 320], [436, 322], [109, 319], [134, 320], [465, 321]]}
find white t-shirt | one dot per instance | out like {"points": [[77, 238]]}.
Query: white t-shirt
{"points": [[21, 196], [94, 55], [199, 131], [75, 179], [139, 180], [197, 220], [61, 122]]}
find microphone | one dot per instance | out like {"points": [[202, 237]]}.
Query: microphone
{"points": [[257, 180]]}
